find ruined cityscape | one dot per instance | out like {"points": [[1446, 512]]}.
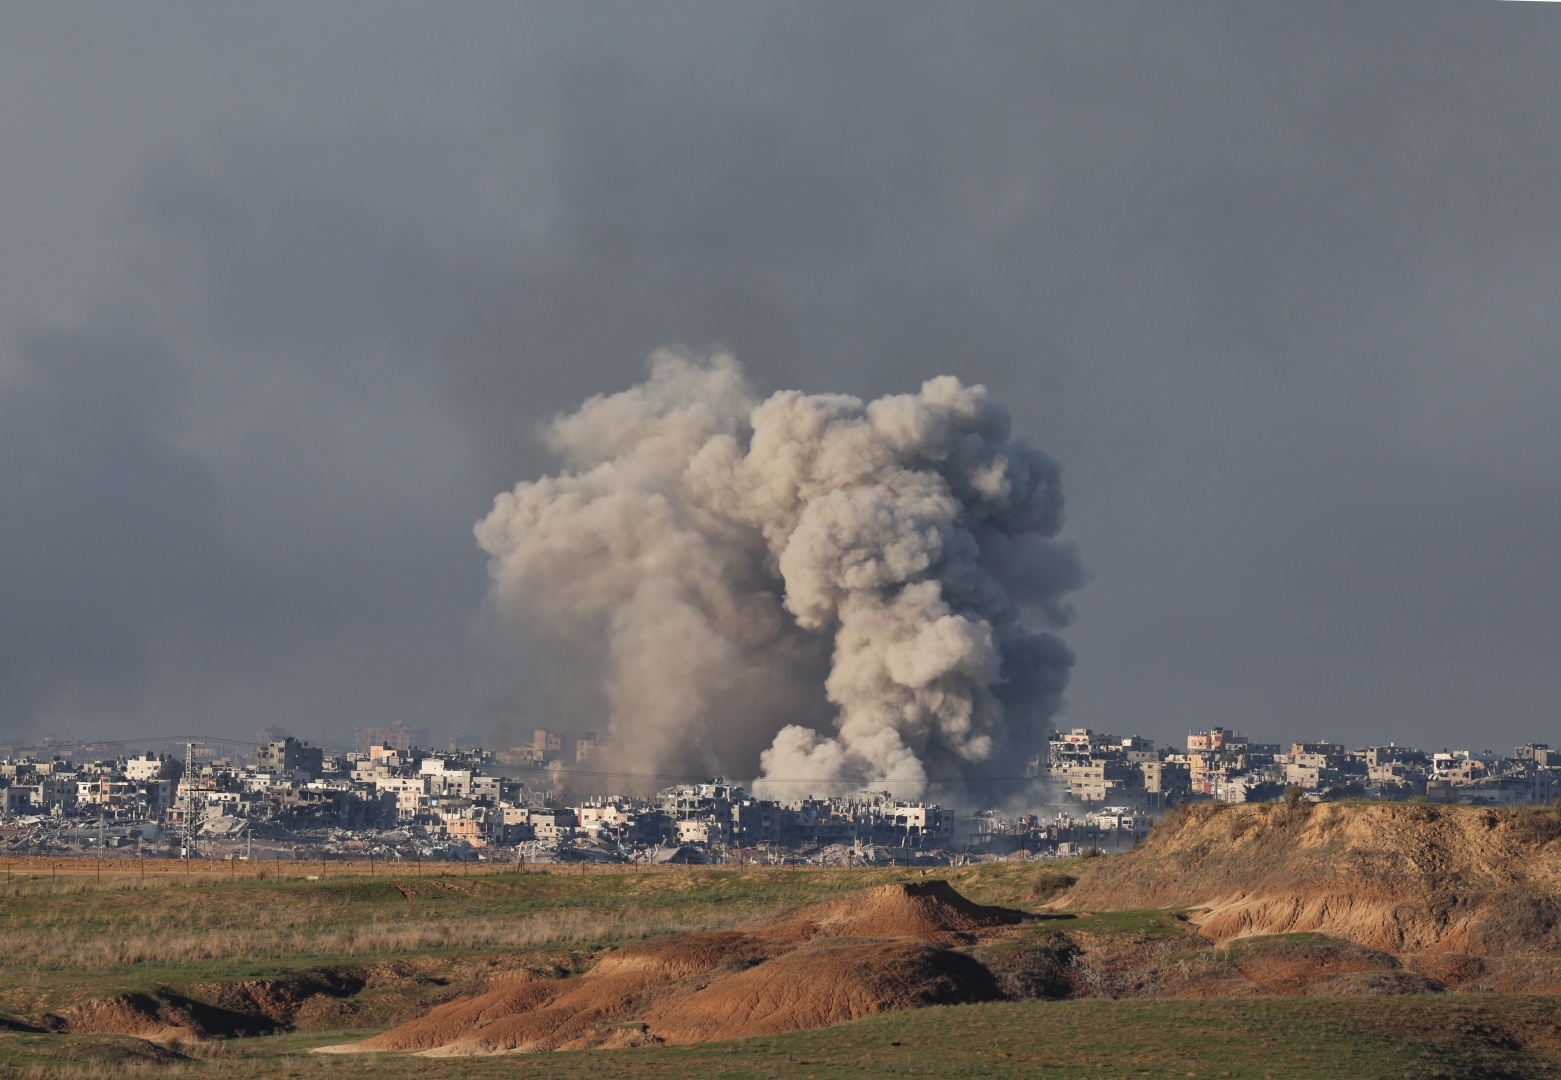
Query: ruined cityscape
{"points": [[395, 798]]}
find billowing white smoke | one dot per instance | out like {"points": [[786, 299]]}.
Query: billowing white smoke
{"points": [[723, 558]]}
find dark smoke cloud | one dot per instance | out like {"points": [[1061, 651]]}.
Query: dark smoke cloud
{"points": [[1276, 283], [112, 533], [228, 488]]}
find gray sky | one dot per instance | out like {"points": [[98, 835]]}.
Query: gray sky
{"points": [[285, 291]]}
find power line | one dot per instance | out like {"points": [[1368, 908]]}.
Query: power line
{"points": [[67, 744], [705, 777]]}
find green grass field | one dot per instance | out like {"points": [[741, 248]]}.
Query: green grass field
{"points": [[1419, 1037], [66, 938]]}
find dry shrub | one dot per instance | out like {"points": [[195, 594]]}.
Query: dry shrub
{"points": [[1043, 971], [1538, 826], [1241, 824], [1517, 916], [1296, 810]]}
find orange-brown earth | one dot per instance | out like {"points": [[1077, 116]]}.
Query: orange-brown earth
{"points": [[1464, 896], [893, 947], [1298, 900], [227, 1009], [1335, 899]]}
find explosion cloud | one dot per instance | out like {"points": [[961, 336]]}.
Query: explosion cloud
{"points": [[828, 589]]}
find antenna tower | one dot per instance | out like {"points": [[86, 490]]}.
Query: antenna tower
{"points": [[189, 800]]}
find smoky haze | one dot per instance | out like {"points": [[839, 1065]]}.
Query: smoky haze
{"points": [[726, 562], [287, 301]]}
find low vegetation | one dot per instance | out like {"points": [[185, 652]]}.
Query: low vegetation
{"points": [[69, 936], [1444, 1038], [1236, 942]]}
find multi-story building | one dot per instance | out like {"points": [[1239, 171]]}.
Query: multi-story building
{"points": [[398, 736], [1216, 739], [588, 746], [1102, 781], [148, 766], [287, 756], [1539, 753], [546, 745], [1167, 779]]}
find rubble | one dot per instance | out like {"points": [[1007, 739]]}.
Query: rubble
{"points": [[292, 800]]}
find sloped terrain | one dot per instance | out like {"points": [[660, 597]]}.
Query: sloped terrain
{"points": [[309, 999], [1331, 901], [926, 911], [892, 947], [141, 1015], [1463, 895], [1258, 901]]}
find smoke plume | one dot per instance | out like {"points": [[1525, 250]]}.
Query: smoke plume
{"points": [[829, 590]]}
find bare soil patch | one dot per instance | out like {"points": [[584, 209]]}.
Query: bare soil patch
{"points": [[893, 947], [1395, 877]]}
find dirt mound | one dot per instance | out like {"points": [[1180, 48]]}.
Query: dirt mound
{"points": [[822, 983], [1291, 968], [927, 911], [227, 1009], [1397, 878], [884, 949], [280, 1001], [141, 1015], [513, 994], [1494, 974], [311, 999]]}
